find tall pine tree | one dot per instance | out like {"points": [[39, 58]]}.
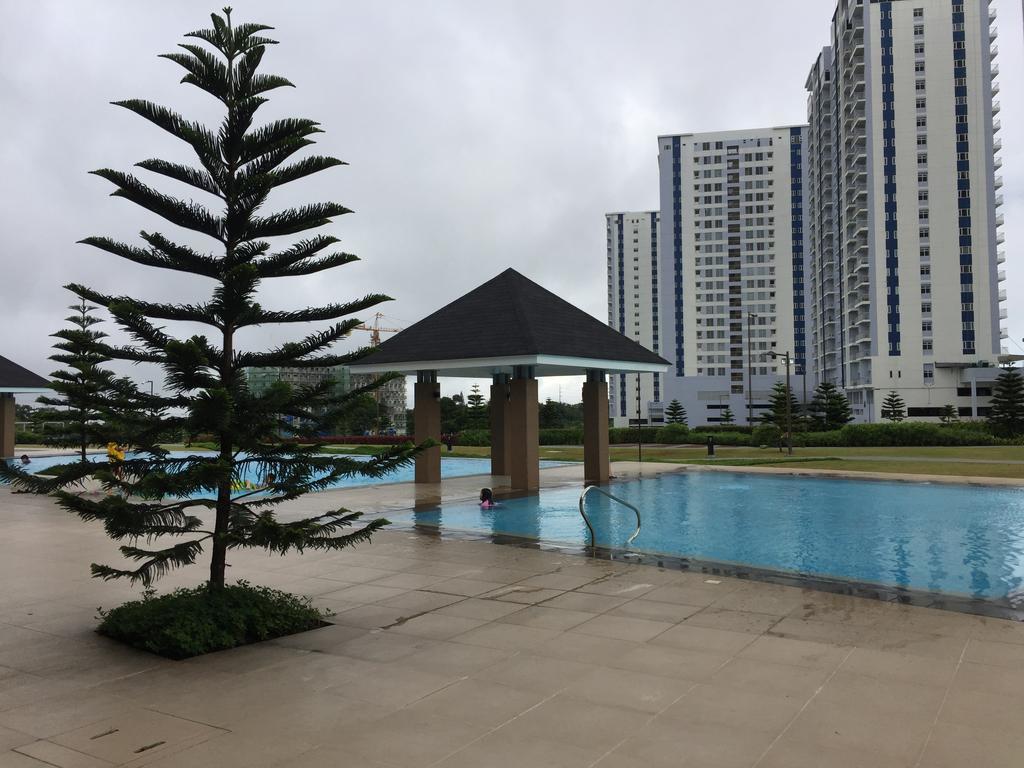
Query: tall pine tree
{"points": [[476, 409], [893, 407], [83, 387], [777, 413], [829, 409], [675, 413], [1006, 414], [239, 165]]}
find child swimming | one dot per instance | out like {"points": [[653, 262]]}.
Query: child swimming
{"points": [[487, 499]]}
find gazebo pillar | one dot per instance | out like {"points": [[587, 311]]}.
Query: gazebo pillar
{"points": [[596, 469], [427, 418], [500, 434], [7, 428], [523, 458]]}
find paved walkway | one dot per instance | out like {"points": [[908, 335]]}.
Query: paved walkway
{"points": [[466, 654]]}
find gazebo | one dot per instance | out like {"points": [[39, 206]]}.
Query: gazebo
{"points": [[14, 380], [512, 331]]}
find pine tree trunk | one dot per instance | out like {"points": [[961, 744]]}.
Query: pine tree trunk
{"points": [[218, 559]]}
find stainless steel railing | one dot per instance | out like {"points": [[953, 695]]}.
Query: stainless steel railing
{"points": [[603, 492]]}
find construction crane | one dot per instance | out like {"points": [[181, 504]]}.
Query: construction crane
{"points": [[376, 330]]}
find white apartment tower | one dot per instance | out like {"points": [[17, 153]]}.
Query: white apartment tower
{"points": [[732, 259], [633, 310], [903, 282]]}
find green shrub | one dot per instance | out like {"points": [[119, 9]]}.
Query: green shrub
{"points": [[913, 433], [190, 622], [474, 437], [731, 439], [27, 438], [625, 435], [721, 428], [766, 434], [672, 434], [830, 439], [561, 436]]}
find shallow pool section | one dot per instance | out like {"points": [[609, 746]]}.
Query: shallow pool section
{"points": [[966, 541], [449, 468]]}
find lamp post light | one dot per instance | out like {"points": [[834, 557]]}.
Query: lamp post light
{"points": [[150, 387], [750, 368], [789, 401]]}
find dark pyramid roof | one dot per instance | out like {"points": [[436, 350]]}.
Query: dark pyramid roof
{"points": [[13, 376], [508, 317]]}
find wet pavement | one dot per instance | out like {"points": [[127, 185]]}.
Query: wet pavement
{"points": [[458, 653]]}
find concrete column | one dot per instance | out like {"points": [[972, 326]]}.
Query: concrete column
{"points": [[596, 468], [427, 417], [523, 458], [6, 426], [499, 426]]}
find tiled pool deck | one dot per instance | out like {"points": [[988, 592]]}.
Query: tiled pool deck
{"points": [[465, 653]]}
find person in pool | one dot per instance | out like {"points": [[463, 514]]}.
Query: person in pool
{"points": [[25, 459], [487, 499]]}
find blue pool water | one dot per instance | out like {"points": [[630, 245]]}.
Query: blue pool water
{"points": [[449, 468], [959, 540]]}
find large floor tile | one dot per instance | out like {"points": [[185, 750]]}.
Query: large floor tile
{"points": [[478, 701], [683, 663], [632, 690], [535, 673], [662, 744], [799, 653], [623, 628], [547, 618], [579, 723], [406, 740], [726, 706], [506, 750], [704, 639]]}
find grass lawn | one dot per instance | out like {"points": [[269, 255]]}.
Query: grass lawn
{"points": [[980, 461]]}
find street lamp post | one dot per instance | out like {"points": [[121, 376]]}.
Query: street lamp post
{"points": [[789, 401]]}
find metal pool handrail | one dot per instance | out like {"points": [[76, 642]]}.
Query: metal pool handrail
{"points": [[603, 492]]}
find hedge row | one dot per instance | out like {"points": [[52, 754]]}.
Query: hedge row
{"points": [[853, 435]]}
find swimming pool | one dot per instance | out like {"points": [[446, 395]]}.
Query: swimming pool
{"points": [[449, 468], [961, 541]]}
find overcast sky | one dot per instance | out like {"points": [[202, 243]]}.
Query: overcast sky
{"points": [[480, 135]]}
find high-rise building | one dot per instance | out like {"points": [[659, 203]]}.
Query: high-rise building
{"points": [[634, 310], [902, 205], [732, 259]]}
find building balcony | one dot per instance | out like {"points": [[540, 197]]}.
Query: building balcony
{"points": [[998, 182], [1001, 275], [995, 87], [1000, 219], [1002, 294], [997, 126], [997, 144], [995, 70], [997, 162], [996, 107], [993, 51], [1000, 238], [992, 14], [1003, 313], [1000, 257], [993, 33]]}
